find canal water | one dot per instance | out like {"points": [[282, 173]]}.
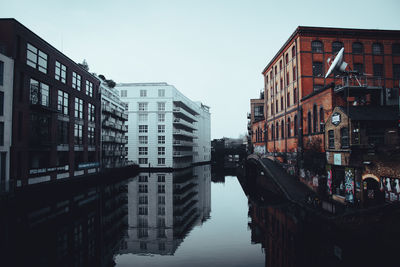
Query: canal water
{"points": [[154, 219]]}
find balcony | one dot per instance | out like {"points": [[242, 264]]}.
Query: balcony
{"points": [[184, 133], [108, 138], [182, 113], [106, 108], [185, 123], [359, 85], [183, 153], [183, 143]]}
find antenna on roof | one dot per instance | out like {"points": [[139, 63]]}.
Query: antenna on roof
{"points": [[337, 64]]}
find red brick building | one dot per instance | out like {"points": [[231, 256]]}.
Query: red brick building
{"points": [[55, 110], [298, 99], [256, 125]]}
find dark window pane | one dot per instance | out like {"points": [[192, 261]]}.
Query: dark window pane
{"points": [[377, 49], [358, 48], [336, 46], [317, 47]]}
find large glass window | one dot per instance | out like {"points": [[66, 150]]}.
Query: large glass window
{"points": [[359, 67], [143, 150], [91, 112], [161, 92], [317, 68], [331, 139], [142, 117], [377, 49], [161, 117], [62, 104], [288, 128], [344, 136], [143, 93], [89, 88], [161, 139], [336, 46], [76, 81], [36, 58], [378, 70], [295, 125], [91, 136], [142, 140], [143, 128], [161, 128], [357, 48], [61, 72], [309, 125], [62, 132], [161, 150], [161, 106], [142, 106], [317, 47], [40, 129], [39, 93], [78, 108], [315, 119], [78, 133]]}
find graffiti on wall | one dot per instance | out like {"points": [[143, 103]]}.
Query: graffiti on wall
{"points": [[391, 187], [349, 184]]}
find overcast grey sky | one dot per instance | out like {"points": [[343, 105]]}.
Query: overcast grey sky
{"points": [[212, 51]]}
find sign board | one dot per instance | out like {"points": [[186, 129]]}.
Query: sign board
{"points": [[337, 159], [88, 165], [336, 118], [49, 169]]}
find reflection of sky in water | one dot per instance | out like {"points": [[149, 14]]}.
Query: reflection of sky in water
{"points": [[223, 240]]}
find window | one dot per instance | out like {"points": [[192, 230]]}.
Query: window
{"points": [[143, 178], [142, 188], [1, 103], [61, 72], [161, 151], [161, 92], [161, 188], [377, 49], [277, 130], [143, 211], [288, 99], [161, 106], [336, 46], [161, 139], [161, 128], [281, 102], [91, 112], [344, 136], [309, 122], [62, 105], [321, 119], [272, 108], [124, 93], [39, 93], [288, 128], [286, 59], [318, 87], [378, 70], [143, 93], [36, 58], [315, 119], [276, 106], [76, 81], [40, 129], [293, 51], [282, 129], [281, 84], [396, 71], [294, 96], [161, 161], [317, 47], [142, 106], [78, 108], [287, 79], [1, 133], [142, 117], [359, 67], [143, 140], [294, 73], [143, 128], [1, 72], [331, 139], [89, 88], [161, 210], [161, 199], [143, 199], [295, 125], [161, 178], [357, 48], [396, 49], [280, 65], [161, 117], [272, 132], [91, 136], [143, 161], [78, 140], [143, 151], [317, 69]]}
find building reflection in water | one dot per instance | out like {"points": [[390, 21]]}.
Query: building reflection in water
{"points": [[163, 207]]}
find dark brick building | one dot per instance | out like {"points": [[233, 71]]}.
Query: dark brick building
{"points": [[56, 110]]}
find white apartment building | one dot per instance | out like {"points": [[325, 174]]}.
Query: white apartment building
{"points": [[113, 127], [165, 128], [6, 100]]}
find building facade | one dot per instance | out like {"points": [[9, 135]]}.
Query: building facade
{"points": [[165, 128], [6, 96], [113, 130], [55, 110], [299, 99]]}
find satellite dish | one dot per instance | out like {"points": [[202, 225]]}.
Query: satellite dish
{"points": [[337, 64]]}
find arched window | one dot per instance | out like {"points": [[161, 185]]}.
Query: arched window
{"points": [[315, 119], [272, 131], [293, 51], [322, 118], [336, 46], [396, 49], [277, 130], [282, 129], [309, 130], [295, 125], [357, 48], [377, 49], [288, 128], [317, 47]]}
